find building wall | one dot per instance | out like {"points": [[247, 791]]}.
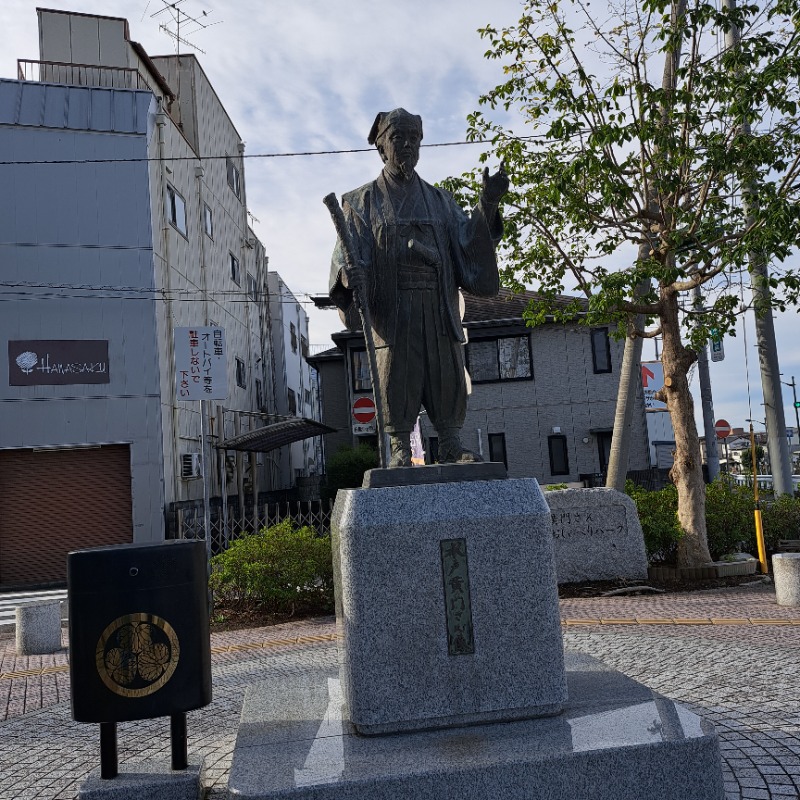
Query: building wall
{"points": [[77, 256], [564, 393]]}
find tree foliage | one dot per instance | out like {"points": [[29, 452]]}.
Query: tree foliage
{"points": [[605, 152], [648, 158]]}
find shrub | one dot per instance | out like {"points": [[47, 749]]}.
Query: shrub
{"points": [[282, 569], [781, 519], [658, 516], [346, 468], [729, 518]]}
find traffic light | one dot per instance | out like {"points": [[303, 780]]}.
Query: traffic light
{"points": [[797, 403]]}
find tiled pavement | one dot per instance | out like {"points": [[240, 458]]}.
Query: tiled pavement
{"points": [[732, 656]]}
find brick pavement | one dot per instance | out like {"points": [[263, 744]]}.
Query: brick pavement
{"points": [[732, 656]]}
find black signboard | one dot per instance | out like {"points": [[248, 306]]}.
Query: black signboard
{"points": [[47, 362]]}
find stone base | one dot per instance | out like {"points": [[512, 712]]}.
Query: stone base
{"points": [[149, 780], [446, 604], [434, 473], [616, 740]]}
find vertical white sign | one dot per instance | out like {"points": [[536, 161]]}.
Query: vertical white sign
{"points": [[652, 381], [201, 371]]}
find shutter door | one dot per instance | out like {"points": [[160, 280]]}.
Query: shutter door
{"points": [[55, 501]]}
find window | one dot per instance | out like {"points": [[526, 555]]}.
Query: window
{"points": [[234, 262], [252, 287], [497, 448], [176, 209], [292, 397], [559, 458], [208, 221], [304, 346], [293, 336], [241, 373], [307, 397], [360, 371], [504, 359], [601, 350], [233, 177], [259, 394]]}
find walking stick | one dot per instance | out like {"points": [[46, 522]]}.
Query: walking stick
{"points": [[350, 263]]}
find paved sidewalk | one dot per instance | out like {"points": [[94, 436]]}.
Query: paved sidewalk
{"points": [[732, 656]]}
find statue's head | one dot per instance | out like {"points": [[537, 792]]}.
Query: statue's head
{"points": [[397, 135]]}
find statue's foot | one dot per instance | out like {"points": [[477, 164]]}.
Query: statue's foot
{"points": [[400, 450], [451, 451]]}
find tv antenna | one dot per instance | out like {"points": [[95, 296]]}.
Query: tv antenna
{"points": [[185, 25]]}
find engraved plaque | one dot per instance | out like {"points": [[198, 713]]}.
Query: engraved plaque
{"points": [[458, 609]]}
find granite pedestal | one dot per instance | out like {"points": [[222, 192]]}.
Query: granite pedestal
{"points": [[447, 605], [616, 740], [597, 536]]}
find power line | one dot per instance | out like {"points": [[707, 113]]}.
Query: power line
{"points": [[299, 154]]}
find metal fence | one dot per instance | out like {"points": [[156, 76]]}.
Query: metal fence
{"points": [[229, 523]]}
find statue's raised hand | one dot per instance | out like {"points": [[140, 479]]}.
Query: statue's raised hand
{"points": [[495, 186]]}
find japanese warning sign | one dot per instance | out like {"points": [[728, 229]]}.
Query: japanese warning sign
{"points": [[200, 364]]}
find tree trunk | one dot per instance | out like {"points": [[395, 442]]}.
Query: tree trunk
{"points": [[687, 471]]}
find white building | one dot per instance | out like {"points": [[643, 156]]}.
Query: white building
{"points": [[141, 227]]}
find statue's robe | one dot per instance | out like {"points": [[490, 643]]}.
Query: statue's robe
{"points": [[417, 248]]}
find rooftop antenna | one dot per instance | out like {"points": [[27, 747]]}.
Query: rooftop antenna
{"points": [[185, 24]]}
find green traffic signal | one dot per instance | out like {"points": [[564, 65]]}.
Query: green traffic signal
{"points": [[797, 403]]}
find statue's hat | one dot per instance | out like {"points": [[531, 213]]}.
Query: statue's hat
{"points": [[386, 119]]}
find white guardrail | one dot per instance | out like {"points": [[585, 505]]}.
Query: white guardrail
{"points": [[764, 481]]}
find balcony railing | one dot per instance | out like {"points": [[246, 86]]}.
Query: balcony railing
{"points": [[81, 74]]}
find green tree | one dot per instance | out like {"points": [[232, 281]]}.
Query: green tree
{"points": [[747, 459], [629, 191], [346, 468]]}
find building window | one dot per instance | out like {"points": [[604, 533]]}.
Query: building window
{"points": [[293, 336], [360, 370], [292, 397], [497, 448], [259, 394], [176, 209], [208, 221], [241, 374], [234, 263], [507, 358], [601, 350], [234, 180], [307, 396], [252, 287], [559, 457], [303, 346]]}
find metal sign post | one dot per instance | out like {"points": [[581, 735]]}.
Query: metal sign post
{"points": [[201, 373]]}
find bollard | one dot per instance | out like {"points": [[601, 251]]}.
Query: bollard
{"points": [[786, 571], [38, 627]]}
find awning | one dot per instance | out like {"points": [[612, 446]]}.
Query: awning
{"points": [[278, 434]]}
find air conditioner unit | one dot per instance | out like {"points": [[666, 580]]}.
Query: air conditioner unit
{"points": [[191, 466]]}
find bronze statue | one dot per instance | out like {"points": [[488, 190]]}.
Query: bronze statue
{"points": [[414, 248]]}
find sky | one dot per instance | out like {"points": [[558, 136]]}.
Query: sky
{"points": [[310, 75]]}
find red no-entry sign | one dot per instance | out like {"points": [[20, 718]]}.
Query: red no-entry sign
{"points": [[722, 428], [364, 410]]}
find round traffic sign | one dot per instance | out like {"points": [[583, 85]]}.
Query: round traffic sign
{"points": [[364, 410], [722, 428]]}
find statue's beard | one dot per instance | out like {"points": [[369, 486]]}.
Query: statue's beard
{"points": [[403, 169]]}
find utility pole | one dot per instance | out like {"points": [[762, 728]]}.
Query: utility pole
{"points": [[796, 407], [712, 449], [777, 444]]}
